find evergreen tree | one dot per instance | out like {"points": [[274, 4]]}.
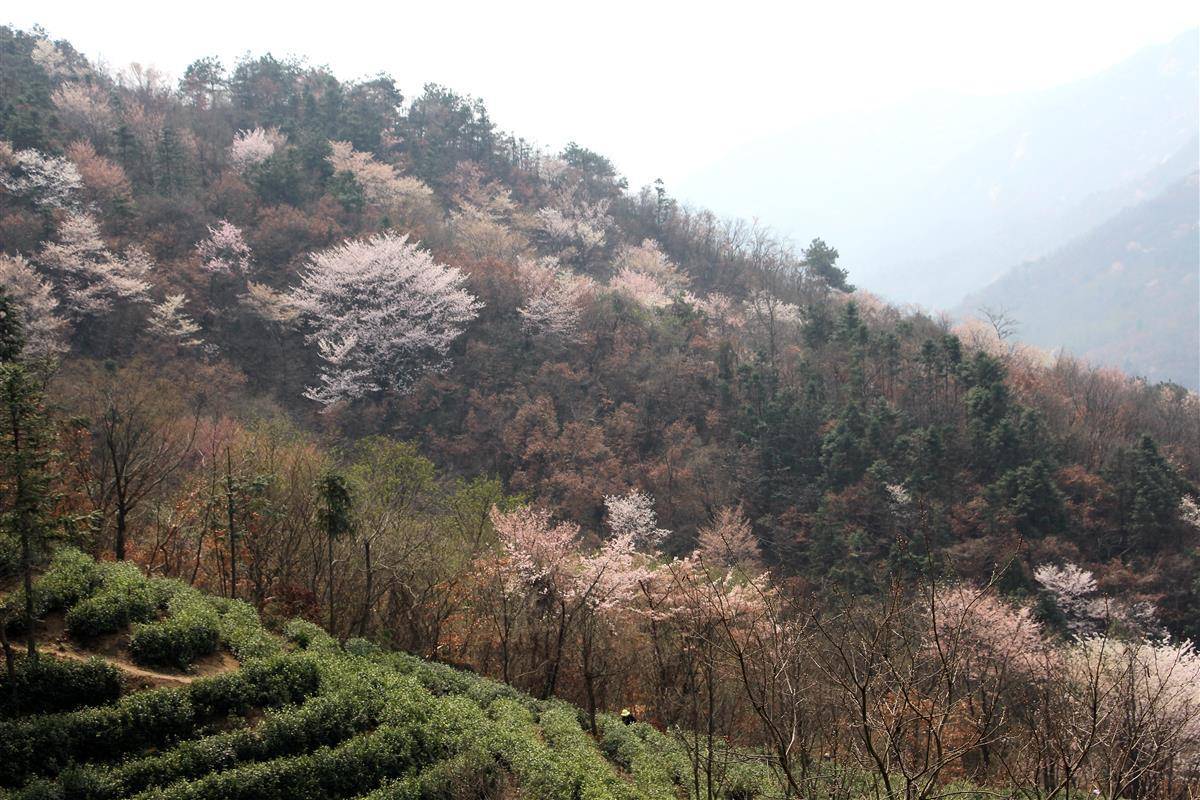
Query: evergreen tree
{"points": [[1148, 492], [170, 162], [821, 260], [25, 475], [334, 513], [844, 452]]}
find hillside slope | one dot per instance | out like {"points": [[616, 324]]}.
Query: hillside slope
{"points": [[1124, 295], [302, 718]]}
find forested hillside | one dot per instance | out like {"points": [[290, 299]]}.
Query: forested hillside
{"points": [[369, 361]]}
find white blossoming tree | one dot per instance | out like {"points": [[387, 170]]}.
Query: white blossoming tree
{"points": [[402, 196], [632, 515], [382, 313], [48, 182], [88, 279], [554, 298], [169, 320], [41, 324], [225, 251], [253, 147]]}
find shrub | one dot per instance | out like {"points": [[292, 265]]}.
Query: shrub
{"points": [[125, 596], [46, 744], [191, 631], [242, 631], [326, 772], [309, 636], [71, 577], [54, 685], [362, 648], [322, 721]]}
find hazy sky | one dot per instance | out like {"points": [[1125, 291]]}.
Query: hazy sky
{"points": [[662, 88]]}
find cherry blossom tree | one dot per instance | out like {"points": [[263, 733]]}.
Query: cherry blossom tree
{"points": [[572, 227], [48, 182], [554, 298], [225, 251], [531, 575], [41, 324], [1189, 511], [641, 288], [87, 278], [382, 186], [632, 515], [382, 313], [268, 304], [1073, 590], [169, 320], [104, 181], [252, 147], [85, 109], [648, 258], [728, 541], [723, 312]]}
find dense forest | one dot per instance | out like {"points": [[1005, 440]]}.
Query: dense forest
{"points": [[369, 361]]}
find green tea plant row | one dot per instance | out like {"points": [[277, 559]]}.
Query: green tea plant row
{"points": [[104, 598], [46, 744], [321, 721], [341, 720], [57, 684]]}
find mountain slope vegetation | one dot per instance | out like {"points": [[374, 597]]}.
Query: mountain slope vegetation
{"points": [[303, 347], [304, 717]]}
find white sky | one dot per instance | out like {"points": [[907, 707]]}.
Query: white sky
{"points": [[662, 88]]}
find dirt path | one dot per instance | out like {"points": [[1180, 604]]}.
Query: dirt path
{"points": [[139, 677], [53, 640]]}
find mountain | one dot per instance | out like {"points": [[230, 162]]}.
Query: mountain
{"points": [[1126, 294], [936, 198], [307, 349]]}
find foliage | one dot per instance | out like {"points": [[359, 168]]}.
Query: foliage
{"points": [[191, 630], [383, 313], [52, 685]]}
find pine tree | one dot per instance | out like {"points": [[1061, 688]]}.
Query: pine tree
{"points": [[170, 162], [24, 469], [335, 518]]}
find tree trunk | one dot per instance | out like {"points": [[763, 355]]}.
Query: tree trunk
{"points": [[365, 625], [121, 528], [10, 658], [589, 678], [331, 615], [232, 528], [24, 527]]}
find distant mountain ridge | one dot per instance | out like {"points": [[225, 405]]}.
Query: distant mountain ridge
{"points": [[933, 200], [1126, 294]]}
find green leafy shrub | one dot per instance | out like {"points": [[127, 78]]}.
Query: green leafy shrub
{"points": [[656, 763], [242, 631], [321, 721], [309, 636], [327, 772], [192, 630], [71, 577], [54, 685], [362, 648], [48, 743], [125, 596]]}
